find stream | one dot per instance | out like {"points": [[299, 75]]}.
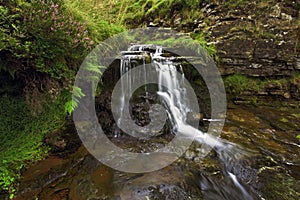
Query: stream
{"points": [[256, 157]]}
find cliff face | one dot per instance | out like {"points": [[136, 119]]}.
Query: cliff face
{"points": [[259, 39], [255, 38]]}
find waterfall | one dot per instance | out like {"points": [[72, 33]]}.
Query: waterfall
{"points": [[125, 66], [237, 183], [173, 95]]}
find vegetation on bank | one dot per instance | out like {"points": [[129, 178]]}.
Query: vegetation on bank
{"points": [[238, 85], [22, 135], [42, 45]]}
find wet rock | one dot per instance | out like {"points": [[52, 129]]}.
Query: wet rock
{"points": [[55, 141], [63, 142], [80, 177], [276, 183], [295, 89], [62, 194], [167, 183], [38, 176], [104, 113]]}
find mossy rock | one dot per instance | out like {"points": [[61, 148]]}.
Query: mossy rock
{"points": [[276, 183]]}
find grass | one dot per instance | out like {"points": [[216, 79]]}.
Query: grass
{"points": [[210, 48], [237, 84], [21, 137], [137, 12], [99, 16]]}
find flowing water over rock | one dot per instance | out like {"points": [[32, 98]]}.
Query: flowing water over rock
{"points": [[257, 156], [273, 172]]}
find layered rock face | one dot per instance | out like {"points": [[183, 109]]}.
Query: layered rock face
{"points": [[256, 38]]}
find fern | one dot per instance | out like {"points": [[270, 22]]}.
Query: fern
{"points": [[72, 104]]}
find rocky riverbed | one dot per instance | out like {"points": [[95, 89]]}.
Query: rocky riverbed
{"points": [[269, 170]]}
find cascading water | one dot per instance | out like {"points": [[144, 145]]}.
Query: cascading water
{"points": [[173, 95]]}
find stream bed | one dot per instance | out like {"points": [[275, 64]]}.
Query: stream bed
{"points": [[268, 168]]}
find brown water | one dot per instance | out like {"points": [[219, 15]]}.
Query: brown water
{"points": [[269, 167]]}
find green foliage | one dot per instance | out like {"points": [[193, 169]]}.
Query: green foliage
{"points": [[91, 12], [236, 84], [57, 38], [72, 103], [186, 42], [136, 12], [298, 136], [42, 36], [210, 48], [21, 138], [54, 36]]}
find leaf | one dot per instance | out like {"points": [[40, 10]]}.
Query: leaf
{"points": [[70, 106], [77, 92], [15, 27], [298, 136]]}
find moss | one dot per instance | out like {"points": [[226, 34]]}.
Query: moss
{"points": [[295, 78], [278, 185], [297, 115], [22, 135], [264, 3], [285, 120], [267, 35], [238, 84]]}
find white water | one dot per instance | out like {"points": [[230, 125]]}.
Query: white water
{"points": [[174, 97], [126, 85], [237, 183]]}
